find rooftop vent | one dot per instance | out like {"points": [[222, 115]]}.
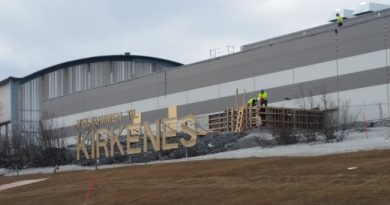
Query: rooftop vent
{"points": [[345, 13], [127, 53], [366, 7]]}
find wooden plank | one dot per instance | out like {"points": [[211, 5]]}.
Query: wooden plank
{"points": [[137, 118], [172, 112]]}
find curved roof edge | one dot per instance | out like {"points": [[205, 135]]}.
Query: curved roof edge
{"points": [[93, 60]]}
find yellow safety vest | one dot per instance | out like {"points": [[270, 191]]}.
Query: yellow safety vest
{"points": [[339, 19], [252, 101], [263, 96]]}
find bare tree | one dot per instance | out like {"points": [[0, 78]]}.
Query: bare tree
{"points": [[284, 131], [338, 119], [4, 149], [19, 147], [337, 122], [41, 144], [309, 101], [3, 146], [6, 144], [50, 141]]}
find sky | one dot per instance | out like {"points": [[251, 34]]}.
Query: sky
{"points": [[35, 34]]}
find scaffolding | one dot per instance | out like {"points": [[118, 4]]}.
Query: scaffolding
{"points": [[245, 118]]}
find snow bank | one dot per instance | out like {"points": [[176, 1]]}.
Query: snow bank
{"points": [[377, 139]]}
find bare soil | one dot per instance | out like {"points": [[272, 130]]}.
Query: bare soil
{"points": [[277, 180]]}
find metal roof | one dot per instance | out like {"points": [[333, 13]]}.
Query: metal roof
{"points": [[92, 60], [317, 30]]}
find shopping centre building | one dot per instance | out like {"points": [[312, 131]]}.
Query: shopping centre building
{"points": [[351, 65]]}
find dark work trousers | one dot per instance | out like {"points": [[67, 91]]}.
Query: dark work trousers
{"points": [[263, 103]]}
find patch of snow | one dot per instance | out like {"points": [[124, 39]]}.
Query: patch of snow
{"points": [[3, 171], [356, 141], [265, 136], [19, 183], [63, 168]]}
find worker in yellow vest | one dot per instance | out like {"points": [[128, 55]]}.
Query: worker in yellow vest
{"points": [[263, 97], [339, 20], [252, 102]]}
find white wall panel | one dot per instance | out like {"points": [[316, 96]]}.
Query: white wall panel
{"points": [[229, 88], [274, 80], [362, 101], [387, 51], [202, 94], [366, 101], [315, 71], [362, 62], [5, 102], [174, 99], [144, 105]]}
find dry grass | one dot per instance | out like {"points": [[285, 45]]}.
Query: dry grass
{"points": [[281, 180]]}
